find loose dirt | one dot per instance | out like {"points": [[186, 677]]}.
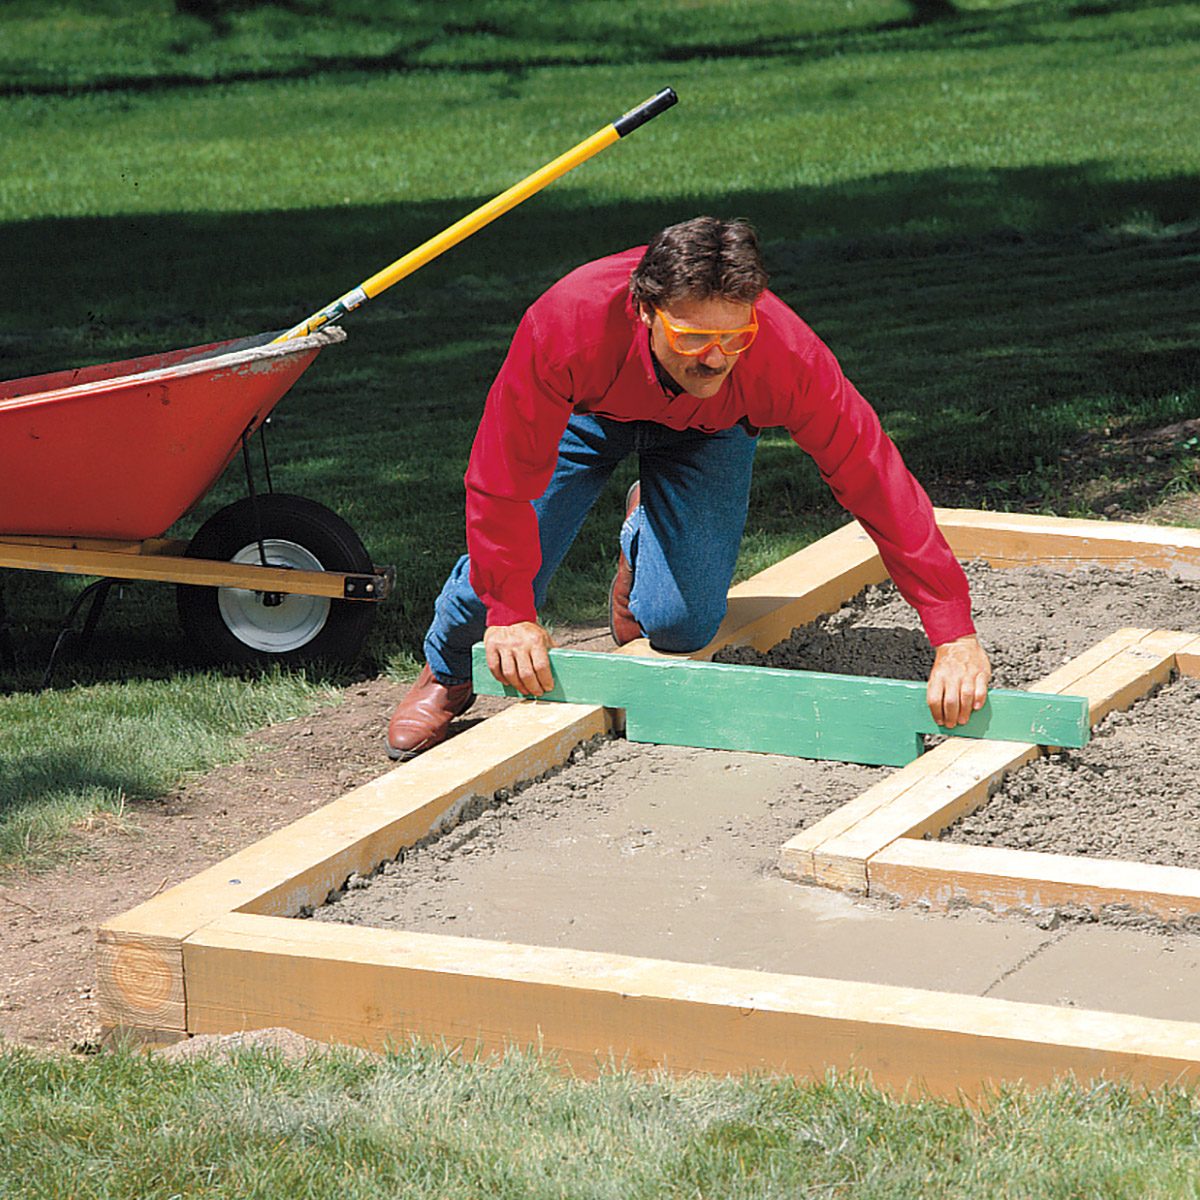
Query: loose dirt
{"points": [[1132, 793], [1031, 619]]}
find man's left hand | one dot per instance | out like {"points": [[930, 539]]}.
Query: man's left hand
{"points": [[959, 681]]}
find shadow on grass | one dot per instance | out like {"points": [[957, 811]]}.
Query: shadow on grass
{"points": [[993, 318], [446, 38], [70, 767], [44, 792]]}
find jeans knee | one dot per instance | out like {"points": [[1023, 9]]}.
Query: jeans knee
{"points": [[684, 631]]}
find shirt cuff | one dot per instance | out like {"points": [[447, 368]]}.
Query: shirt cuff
{"points": [[947, 622], [499, 613]]}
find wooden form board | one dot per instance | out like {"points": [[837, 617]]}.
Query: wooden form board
{"points": [[218, 953], [1020, 540], [373, 987], [808, 714], [140, 954], [875, 843]]}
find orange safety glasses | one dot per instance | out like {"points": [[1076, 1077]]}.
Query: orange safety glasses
{"points": [[694, 342]]}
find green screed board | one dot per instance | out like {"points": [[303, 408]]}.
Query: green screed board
{"points": [[850, 718]]}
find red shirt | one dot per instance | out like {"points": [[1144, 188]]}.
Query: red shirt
{"points": [[581, 347]]}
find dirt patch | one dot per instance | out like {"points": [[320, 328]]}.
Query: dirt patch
{"points": [[48, 920], [670, 852], [286, 1044]]}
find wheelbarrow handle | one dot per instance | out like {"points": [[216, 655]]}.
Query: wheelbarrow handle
{"points": [[646, 111], [486, 213]]}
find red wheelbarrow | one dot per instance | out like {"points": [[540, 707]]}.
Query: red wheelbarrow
{"points": [[101, 461]]}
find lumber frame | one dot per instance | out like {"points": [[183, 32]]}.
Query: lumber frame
{"points": [[221, 952], [903, 866], [371, 987], [929, 795]]}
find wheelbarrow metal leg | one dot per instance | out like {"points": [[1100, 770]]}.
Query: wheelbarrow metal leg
{"points": [[97, 593], [262, 553], [8, 655]]}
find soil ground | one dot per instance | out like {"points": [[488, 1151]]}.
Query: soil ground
{"points": [[48, 920], [1133, 792]]}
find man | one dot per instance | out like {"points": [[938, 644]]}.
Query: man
{"points": [[679, 353]]}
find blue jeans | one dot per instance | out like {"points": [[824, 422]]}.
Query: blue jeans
{"points": [[682, 540]]}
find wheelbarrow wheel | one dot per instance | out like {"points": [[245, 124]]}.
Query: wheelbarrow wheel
{"points": [[241, 626]]}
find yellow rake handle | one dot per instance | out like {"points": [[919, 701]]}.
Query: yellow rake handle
{"points": [[460, 230]]}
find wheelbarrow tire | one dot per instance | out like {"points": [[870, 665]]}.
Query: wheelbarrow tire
{"points": [[238, 626]]}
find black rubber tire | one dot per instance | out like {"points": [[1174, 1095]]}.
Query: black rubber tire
{"points": [[219, 622]]}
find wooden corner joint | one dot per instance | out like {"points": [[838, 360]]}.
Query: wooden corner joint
{"points": [[888, 852]]}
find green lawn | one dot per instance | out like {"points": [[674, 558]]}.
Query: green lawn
{"points": [[422, 1123], [112, 746], [992, 219]]}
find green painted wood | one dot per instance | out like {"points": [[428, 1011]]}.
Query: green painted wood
{"points": [[849, 718], [736, 708]]}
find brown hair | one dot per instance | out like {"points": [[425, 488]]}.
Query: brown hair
{"points": [[700, 259]]}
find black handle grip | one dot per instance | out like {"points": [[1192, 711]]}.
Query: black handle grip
{"points": [[646, 111]]}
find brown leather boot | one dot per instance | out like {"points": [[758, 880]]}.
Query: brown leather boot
{"points": [[422, 719], [622, 624]]}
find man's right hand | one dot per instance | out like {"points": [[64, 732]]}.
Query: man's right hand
{"points": [[519, 655]]}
